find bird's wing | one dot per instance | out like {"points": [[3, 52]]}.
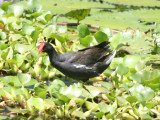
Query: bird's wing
{"points": [[87, 56]]}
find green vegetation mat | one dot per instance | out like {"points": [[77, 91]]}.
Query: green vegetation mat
{"points": [[30, 88]]}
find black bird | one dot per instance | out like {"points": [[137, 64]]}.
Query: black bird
{"points": [[83, 64]]}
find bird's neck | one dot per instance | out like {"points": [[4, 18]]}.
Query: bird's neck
{"points": [[53, 56]]}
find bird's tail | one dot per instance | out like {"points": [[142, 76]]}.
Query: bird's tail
{"points": [[110, 57], [104, 45]]}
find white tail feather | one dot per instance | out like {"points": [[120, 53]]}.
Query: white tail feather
{"points": [[111, 57]]}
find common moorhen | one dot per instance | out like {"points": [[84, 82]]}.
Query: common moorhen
{"points": [[83, 64]]}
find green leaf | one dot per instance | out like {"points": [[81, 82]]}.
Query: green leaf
{"points": [[41, 92], [131, 61], [36, 102], [135, 77], [16, 37], [20, 59], [46, 61], [100, 36], [60, 38], [49, 103], [83, 30], [78, 114], [24, 78], [91, 106], [72, 91], [35, 34], [2, 12], [122, 69], [62, 29], [2, 35], [93, 90], [34, 5], [115, 41], [21, 48], [17, 9], [78, 14], [131, 99], [146, 116], [7, 54], [3, 46], [27, 29], [107, 85], [5, 6], [49, 30], [99, 114], [104, 107], [142, 93], [86, 41]]}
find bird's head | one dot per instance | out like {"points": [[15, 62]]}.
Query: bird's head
{"points": [[44, 47]]}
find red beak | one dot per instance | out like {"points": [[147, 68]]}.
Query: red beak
{"points": [[40, 49]]}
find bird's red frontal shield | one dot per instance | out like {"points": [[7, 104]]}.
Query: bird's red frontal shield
{"points": [[41, 47]]}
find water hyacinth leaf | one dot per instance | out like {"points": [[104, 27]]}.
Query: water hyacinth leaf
{"points": [[3, 46], [93, 90], [35, 14], [86, 41], [48, 17], [72, 91], [2, 12], [5, 6], [17, 9], [131, 61], [115, 62], [91, 106], [122, 69], [107, 85], [99, 114], [100, 36], [2, 35], [115, 41], [83, 30], [24, 78], [49, 30], [48, 103], [8, 54], [62, 29], [41, 19], [79, 114], [44, 73], [60, 38], [142, 93], [21, 48], [34, 6], [107, 31], [41, 92], [20, 59], [104, 107], [145, 116], [27, 29], [78, 14], [131, 99], [135, 77], [35, 34], [140, 65], [16, 37], [144, 75], [46, 60], [36, 102]]}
